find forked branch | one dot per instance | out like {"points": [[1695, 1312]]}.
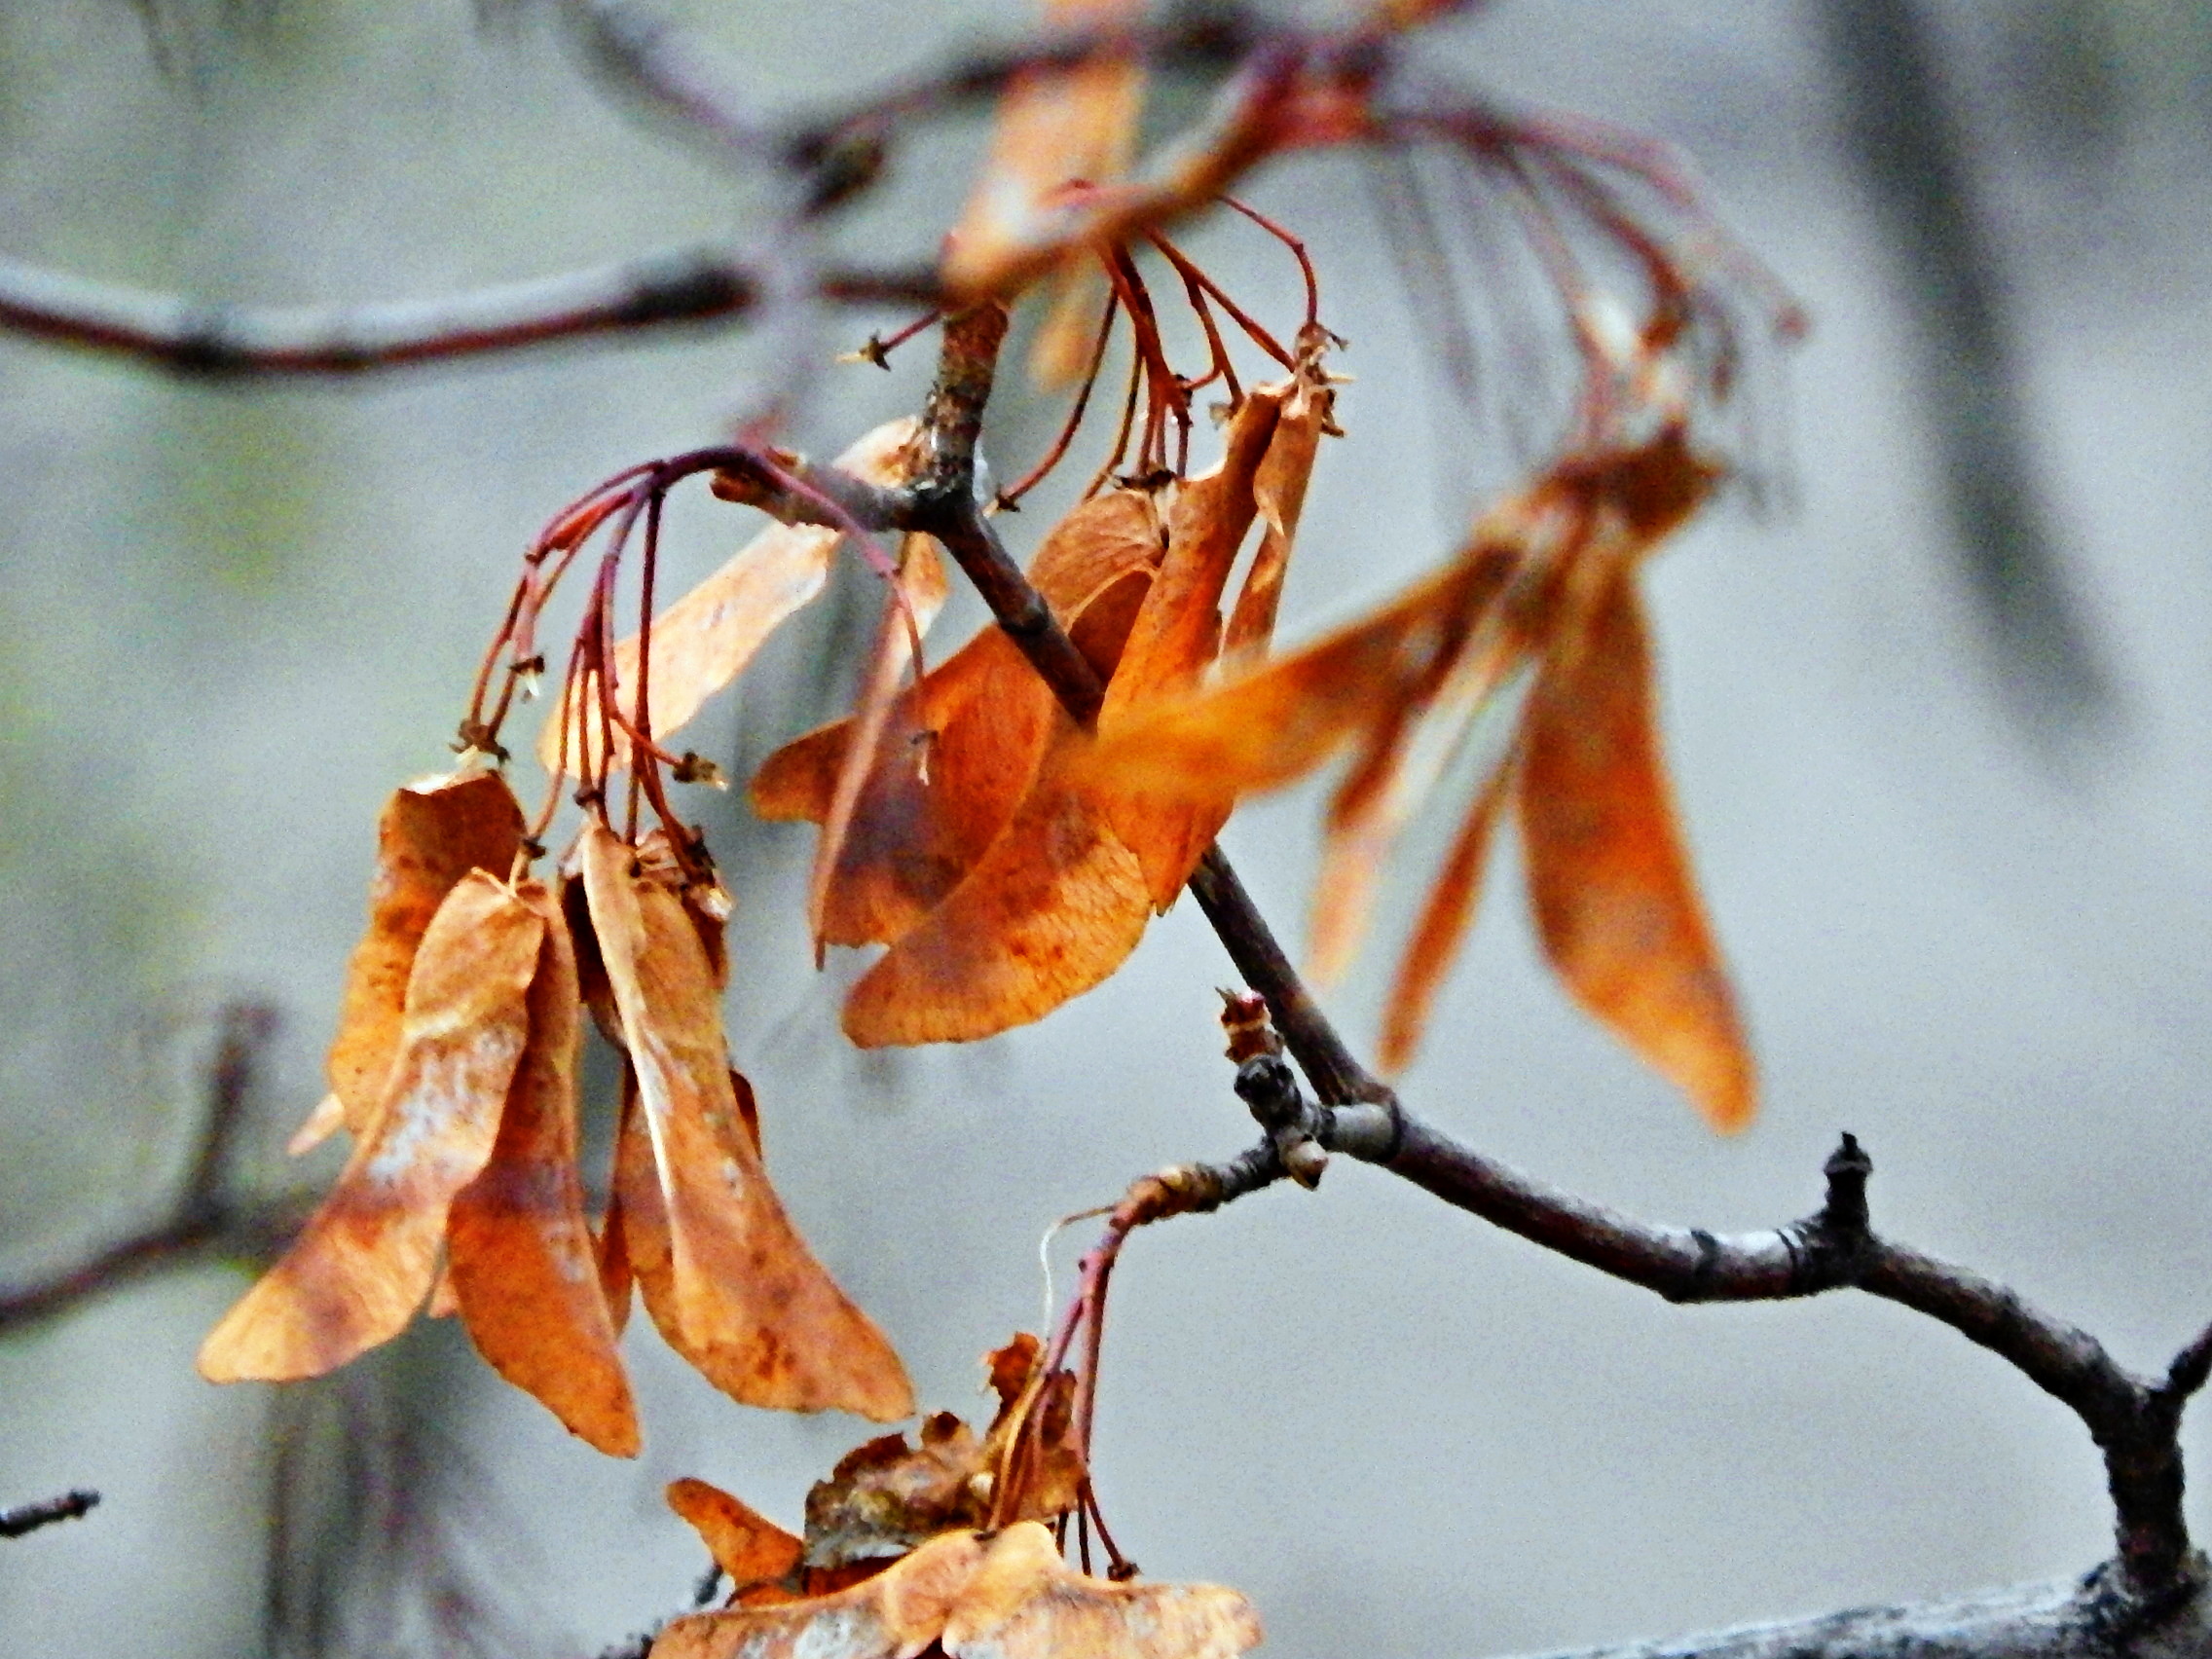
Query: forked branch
{"points": [[2134, 1420]]}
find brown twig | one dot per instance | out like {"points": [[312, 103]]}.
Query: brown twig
{"points": [[206, 1219], [199, 338], [30, 1517]]}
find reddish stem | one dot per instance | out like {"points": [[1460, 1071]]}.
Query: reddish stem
{"points": [[1053, 457], [1298, 252]]}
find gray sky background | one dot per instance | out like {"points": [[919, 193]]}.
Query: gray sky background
{"points": [[231, 621]]}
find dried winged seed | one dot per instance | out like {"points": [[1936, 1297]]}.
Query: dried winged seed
{"points": [[953, 763], [919, 595], [1041, 1466], [892, 1615], [1024, 1602], [1261, 475], [886, 1496], [1053, 909], [1277, 722], [1608, 879], [1010, 1597], [1033, 1450], [1179, 628], [363, 1263], [1010, 1370], [1278, 494], [1579, 524], [516, 1246], [746, 1545], [1272, 725], [432, 832], [1398, 771], [1056, 127], [958, 754], [706, 638], [745, 1300], [633, 1243], [1444, 917], [611, 1257]]}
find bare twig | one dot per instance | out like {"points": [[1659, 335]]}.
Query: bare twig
{"points": [[195, 337], [30, 1517], [205, 1218]]}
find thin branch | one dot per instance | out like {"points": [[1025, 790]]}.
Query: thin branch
{"points": [[30, 1517], [2190, 1368], [197, 337], [205, 1218], [2071, 1618]]}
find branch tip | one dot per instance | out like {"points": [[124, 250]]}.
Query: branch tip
{"points": [[1845, 1214], [26, 1517]]}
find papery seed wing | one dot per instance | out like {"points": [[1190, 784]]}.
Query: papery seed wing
{"points": [[1113, 536], [1052, 909], [638, 1222], [432, 832], [894, 1615], [751, 1306], [1044, 1474], [1445, 918], [958, 754], [1024, 1602], [885, 1497], [516, 1246], [706, 638], [746, 1545], [363, 1263], [1177, 635], [1398, 768], [919, 595], [1178, 630], [1274, 723], [1278, 494], [325, 1119], [1609, 879], [1056, 127], [953, 763]]}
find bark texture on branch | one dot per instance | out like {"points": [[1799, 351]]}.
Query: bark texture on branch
{"points": [[2072, 1619], [192, 337]]}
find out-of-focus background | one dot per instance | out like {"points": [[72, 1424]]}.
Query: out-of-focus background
{"points": [[1940, 715]]}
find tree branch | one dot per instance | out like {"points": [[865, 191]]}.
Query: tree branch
{"points": [[30, 1517], [205, 1218], [191, 337], [2083, 1618]]}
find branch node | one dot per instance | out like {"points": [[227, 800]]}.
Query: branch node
{"points": [[1366, 1132], [1267, 1086], [1845, 1215]]}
